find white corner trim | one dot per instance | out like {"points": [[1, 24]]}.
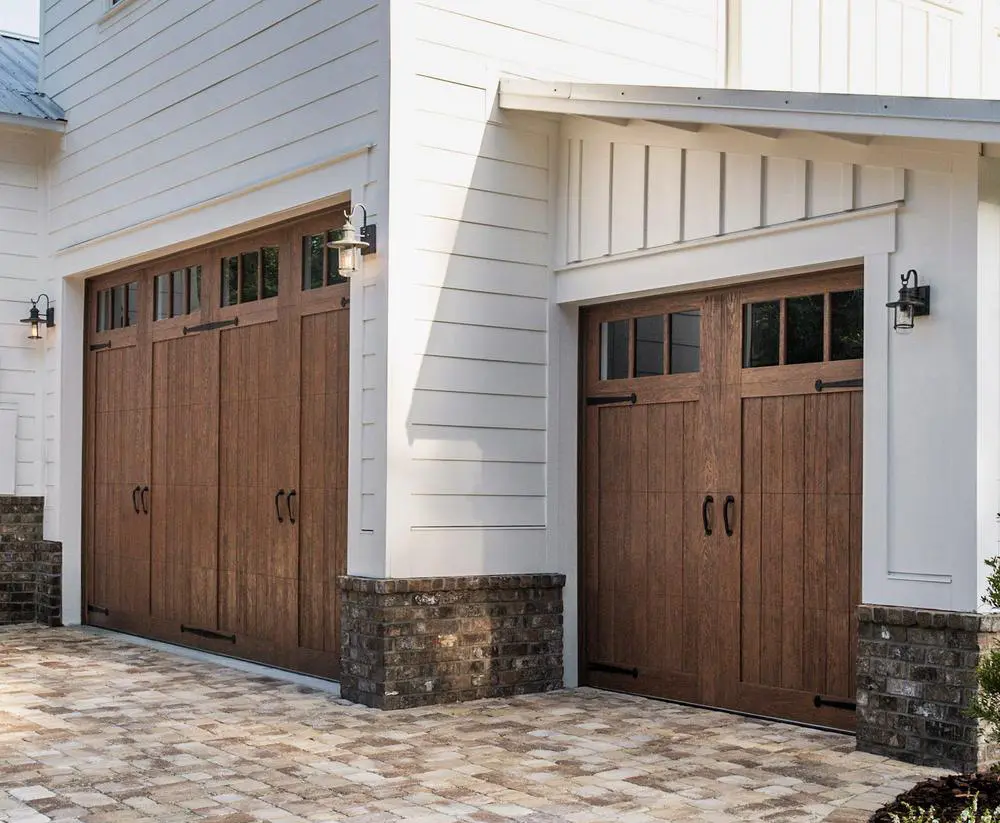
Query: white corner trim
{"points": [[821, 241]]}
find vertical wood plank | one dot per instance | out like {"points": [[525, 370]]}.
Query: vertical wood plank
{"points": [[702, 194], [939, 80], [805, 41], [835, 47], [664, 196], [595, 199], [889, 51], [750, 636], [575, 159], [785, 190], [915, 53], [628, 199], [863, 39], [742, 192]]}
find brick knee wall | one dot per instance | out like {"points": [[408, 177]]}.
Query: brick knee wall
{"points": [[416, 642], [30, 567], [916, 677]]}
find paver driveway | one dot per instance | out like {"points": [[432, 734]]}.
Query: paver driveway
{"points": [[94, 728]]}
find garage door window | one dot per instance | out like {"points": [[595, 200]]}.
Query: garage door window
{"points": [[250, 276], [320, 265], [118, 306], [177, 293]]}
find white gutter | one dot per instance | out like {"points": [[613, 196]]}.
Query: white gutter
{"points": [[26, 121], [921, 117]]}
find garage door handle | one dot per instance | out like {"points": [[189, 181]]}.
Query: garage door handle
{"points": [[135, 502], [729, 505], [288, 504], [708, 501], [142, 497], [277, 504]]}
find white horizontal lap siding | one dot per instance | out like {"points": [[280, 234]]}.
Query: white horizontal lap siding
{"points": [[908, 47], [172, 104], [663, 195], [476, 278], [22, 275]]}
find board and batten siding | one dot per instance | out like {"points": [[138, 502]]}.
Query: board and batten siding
{"points": [[935, 48], [470, 277], [24, 429], [623, 196]]}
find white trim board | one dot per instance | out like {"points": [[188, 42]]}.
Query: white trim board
{"points": [[798, 246]]}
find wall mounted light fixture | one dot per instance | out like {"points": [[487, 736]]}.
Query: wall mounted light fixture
{"points": [[353, 243], [35, 317], [914, 301]]}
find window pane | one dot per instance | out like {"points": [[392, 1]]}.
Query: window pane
{"points": [[132, 318], [333, 262], [847, 326], [804, 329], [312, 261], [269, 281], [685, 342], [102, 310], [194, 287], [648, 346], [161, 297], [761, 329], [614, 350], [118, 307], [251, 269], [230, 281], [177, 306]]}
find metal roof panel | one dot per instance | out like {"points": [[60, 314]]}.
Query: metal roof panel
{"points": [[19, 95]]}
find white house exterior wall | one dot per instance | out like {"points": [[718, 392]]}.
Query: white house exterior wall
{"points": [[189, 121], [470, 280], [25, 431], [927, 48]]}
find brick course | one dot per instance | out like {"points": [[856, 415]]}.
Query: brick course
{"points": [[30, 567], [916, 676], [422, 641]]}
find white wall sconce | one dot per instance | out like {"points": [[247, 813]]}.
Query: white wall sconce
{"points": [[914, 301], [353, 243], [35, 317]]}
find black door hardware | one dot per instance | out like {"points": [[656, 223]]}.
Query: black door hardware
{"points": [[215, 324], [288, 505], [98, 346], [607, 667], [345, 302], [708, 501], [848, 705], [277, 504], [607, 400], [208, 633], [92, 609], [855, 383], [727, 507], [135, 501], [142, 497]]}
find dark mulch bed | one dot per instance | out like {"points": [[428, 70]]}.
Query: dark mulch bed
{"points": [[948, 795]]}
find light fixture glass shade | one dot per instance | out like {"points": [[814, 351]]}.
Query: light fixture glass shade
{"points": [[903, 320], [34, 334], [33, 318], [349, 261], [350, 245]]}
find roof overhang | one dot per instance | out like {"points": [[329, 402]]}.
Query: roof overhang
{"points": [[850, 114], [24, 121]]}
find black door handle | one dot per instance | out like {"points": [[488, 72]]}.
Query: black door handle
{"points": [[135, 502], [730, 503], [708, 501], [142, 497], [288, 504], [277, 505]]}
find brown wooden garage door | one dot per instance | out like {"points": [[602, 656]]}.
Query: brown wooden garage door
{"points": [[216, 438], [722, 496]]}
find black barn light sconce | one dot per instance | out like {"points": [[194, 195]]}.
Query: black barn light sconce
{"points": [[353, 243], [914, 301], [35, 317]]}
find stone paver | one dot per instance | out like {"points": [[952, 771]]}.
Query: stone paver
{"points": [[96, 729]]}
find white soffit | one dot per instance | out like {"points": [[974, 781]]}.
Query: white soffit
{"points": [[842, 114]]}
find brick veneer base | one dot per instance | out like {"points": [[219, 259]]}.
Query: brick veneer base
{"points": [[916, 676], [30, 567], [420, 641]]}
